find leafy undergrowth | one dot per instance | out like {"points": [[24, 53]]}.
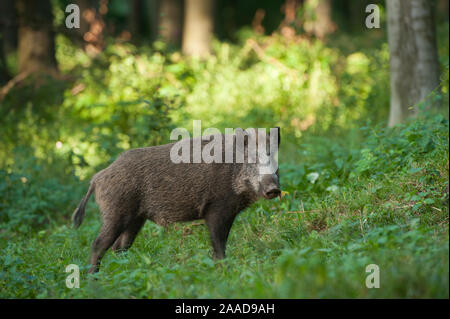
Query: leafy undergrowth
{"points": [[383, 201]]}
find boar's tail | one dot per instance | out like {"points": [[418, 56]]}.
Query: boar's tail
{"points": [[78, 214]]}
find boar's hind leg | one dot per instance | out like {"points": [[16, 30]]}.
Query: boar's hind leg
{"points": [[127, 238], [108, 234], [219, 221]]}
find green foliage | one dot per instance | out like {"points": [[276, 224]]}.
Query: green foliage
{"points": [[35, 196], [326, 164], [404, 146], [299, 85], [315, 242], [356, 193], [120, 100]]}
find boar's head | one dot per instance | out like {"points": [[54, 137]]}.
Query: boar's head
{"points": [[259, 172]]}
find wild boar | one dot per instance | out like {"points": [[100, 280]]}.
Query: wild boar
{"points": [[146, 184]]}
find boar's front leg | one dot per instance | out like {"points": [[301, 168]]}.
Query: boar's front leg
{"points": [[219, 220]]}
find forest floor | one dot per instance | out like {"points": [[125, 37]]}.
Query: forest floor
{"points": [[390, 209]]}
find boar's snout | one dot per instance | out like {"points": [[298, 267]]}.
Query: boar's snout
{"points": [[272, 193], [270, 186]]}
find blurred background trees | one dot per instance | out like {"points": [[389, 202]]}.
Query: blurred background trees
{"points": [[191, 26], [413, 56], [4, 75], [311, 66], [198, 27], [8, 26], [36, 46], [170, 21]]}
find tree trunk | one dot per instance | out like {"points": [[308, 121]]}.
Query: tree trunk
{"points": [[8, 26], [170, 21], [290, 22], [4, 75], [36, 38], [198, 27], [442, 9], [413, 56], [151, 15], [322, 24], [135, 19]]}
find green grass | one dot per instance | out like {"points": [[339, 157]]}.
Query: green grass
{"points": [[314, 243]]}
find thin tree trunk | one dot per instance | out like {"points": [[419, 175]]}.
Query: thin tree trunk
{"points": [[413, 56], [7, 14], [442, 7], [8, 25], [36, 38], [135, 20], [290, 21], [322, 23], [4, 74], [170, 21], [198, 27], [151, 14]]}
